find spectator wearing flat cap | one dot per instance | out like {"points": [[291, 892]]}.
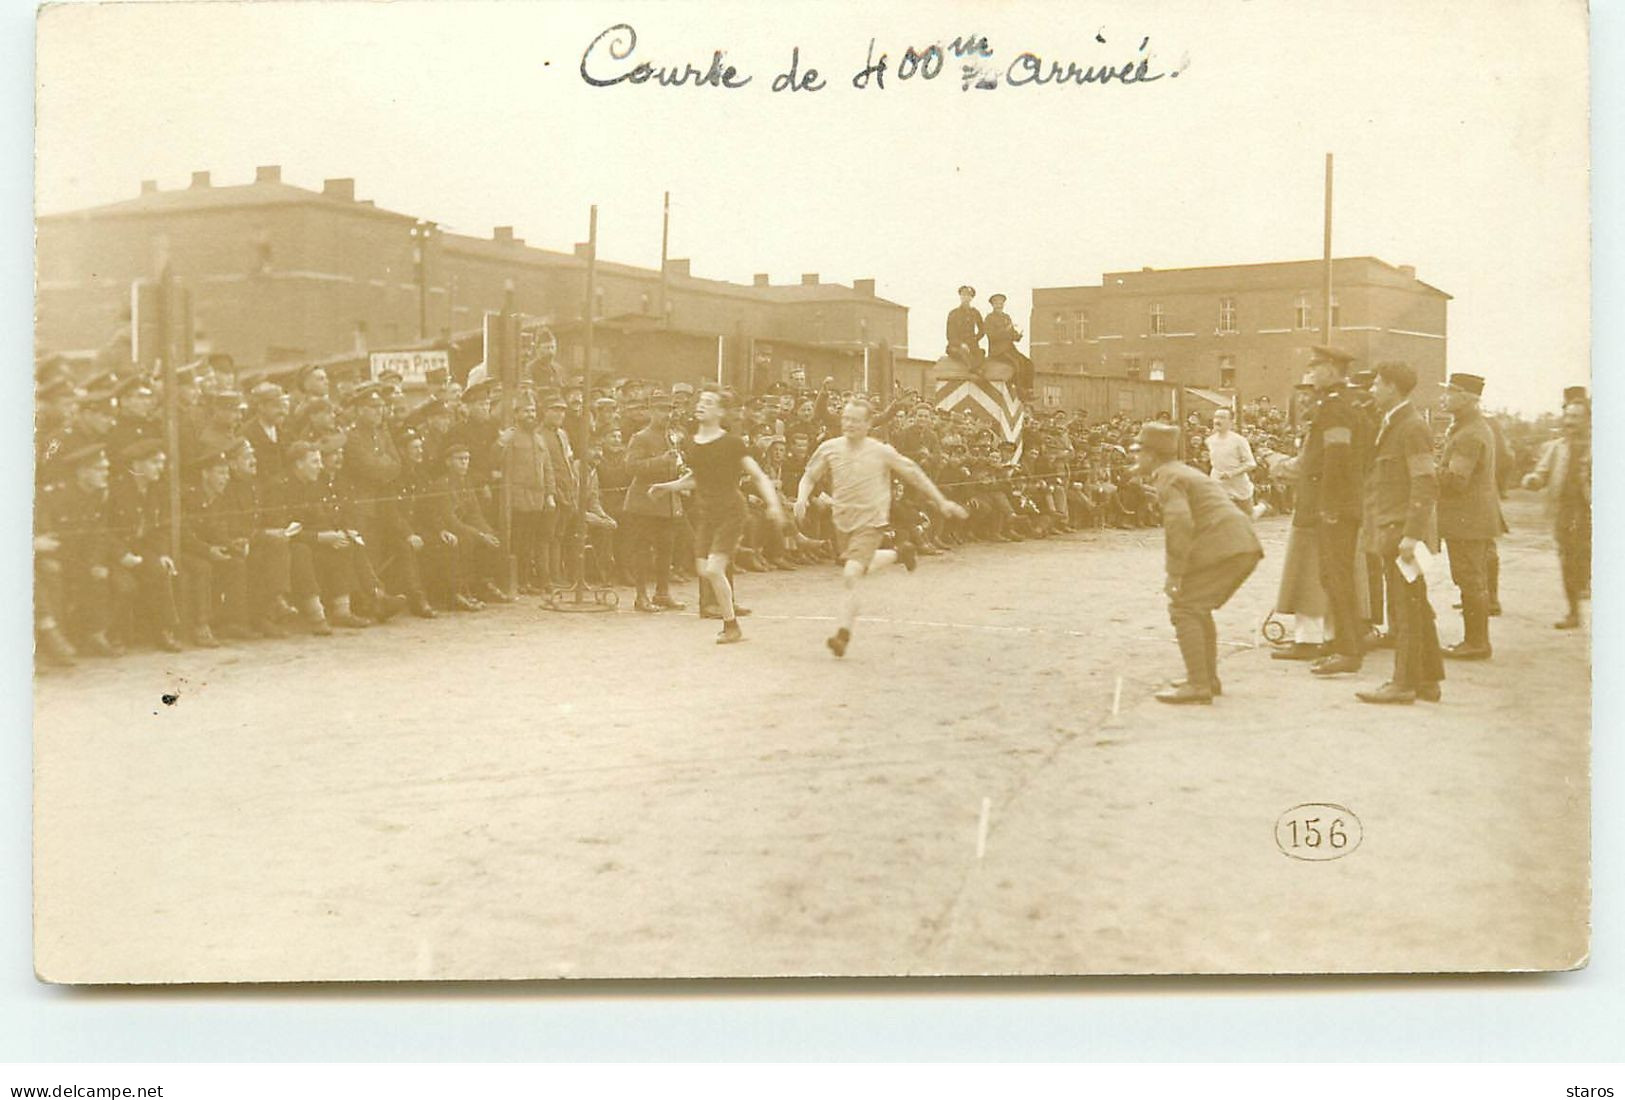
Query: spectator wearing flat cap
{"points": [[1332, 466], [372, 471], [561, 521], [137, 514], [1564, 473], [222, 421], [267, 413], [1469, 509], [1211, 551], [522, 457]]}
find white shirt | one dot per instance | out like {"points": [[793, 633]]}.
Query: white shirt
{"points": [[1231, 457]]}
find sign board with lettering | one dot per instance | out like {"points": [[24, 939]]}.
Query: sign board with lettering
{"points": [[413, 366]]}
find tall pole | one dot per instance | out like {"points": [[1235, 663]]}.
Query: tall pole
{"points": [[665, 244], [582, 426], [170, 346], [501, 361], [1326, 285]]}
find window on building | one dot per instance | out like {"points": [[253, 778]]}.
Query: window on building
{"points": [[1063, 329], [1052, 397], [1337, 313], [1227, 372], [1159, 370], [1131, 366], [1227, 315], [1083, 325], [1303, 316], [643, 306], [1156, 320]]}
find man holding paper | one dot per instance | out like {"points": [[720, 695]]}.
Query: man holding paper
{"points": [[1401, 492]]}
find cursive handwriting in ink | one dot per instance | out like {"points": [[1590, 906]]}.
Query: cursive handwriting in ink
{"points": [[623, 40], [794, 80]]}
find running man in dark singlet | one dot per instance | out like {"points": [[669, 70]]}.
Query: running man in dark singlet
{"points": [[716, 460]]}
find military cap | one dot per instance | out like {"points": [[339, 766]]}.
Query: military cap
{"points": [[1159, 438], [478, 391], [554, 401], [405, 433], [367, 392], [226, 399], [83, 456], [140, 449], [1575, 395], [265, 391], [437, 376], [682, 387], [391, 377], [604, 403], [423, 410], [660, 400], [1363, 378], [457, 449], [1465, 383], [1322, 353], [967, 289], [995, 299]]}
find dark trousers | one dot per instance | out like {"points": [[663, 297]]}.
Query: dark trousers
{"points": [[330, 572], [1336, 542], [1201, 592], [648, 542], [1410, 618], [1574, 551], [269, 575], [1375, 575], [145, 599], [1469, 570]]}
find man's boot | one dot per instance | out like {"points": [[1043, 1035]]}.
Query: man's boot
{"points": [[1475, 644], [1492, 580], [1198, 685], [343, 616]]}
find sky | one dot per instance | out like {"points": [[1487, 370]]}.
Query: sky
{"points": [[1459, 131]]}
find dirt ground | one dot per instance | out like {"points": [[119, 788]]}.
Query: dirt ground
{"points": [[522, 794]]}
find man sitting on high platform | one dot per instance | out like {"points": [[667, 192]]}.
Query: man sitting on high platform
{"points": [[965, 331], [1002, 335]]}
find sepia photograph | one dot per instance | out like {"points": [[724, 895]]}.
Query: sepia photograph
{"points": [[710, 490]]}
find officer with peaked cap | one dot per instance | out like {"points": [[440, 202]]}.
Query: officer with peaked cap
{"points": [[1469, 509], [145, 573], [136, 403], [964, 330], [75, 514], [1332, 464], [1211, 551]]}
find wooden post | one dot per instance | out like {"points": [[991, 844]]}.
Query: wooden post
{"points": [[665, 242], [1326, 285], [502, 362]]}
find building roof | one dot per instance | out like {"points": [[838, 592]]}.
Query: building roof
{"points": [[1219, 272], [210, 197]]}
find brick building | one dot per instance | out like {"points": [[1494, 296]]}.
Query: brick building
{"points": [[1242, 330], [282, 275]]}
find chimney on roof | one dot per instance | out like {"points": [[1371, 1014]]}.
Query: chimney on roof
{"points": [[341, 189], [583, 250], [810, 279], [200, 179], [678, 268], [268, 173], [865, 287], [502, 234], [149, 187], [760, 279], [1407, 270]]}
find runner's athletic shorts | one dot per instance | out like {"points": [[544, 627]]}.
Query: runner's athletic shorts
{"points": [[718, 528], [859, 545]]}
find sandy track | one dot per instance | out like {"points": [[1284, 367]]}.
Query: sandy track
{"points": [[525, 794]]}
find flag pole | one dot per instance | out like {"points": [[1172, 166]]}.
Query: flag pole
{"points": [[1326, 284]]}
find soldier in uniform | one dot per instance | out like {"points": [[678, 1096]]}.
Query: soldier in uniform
{"points": [[214, 572], [75, 515], [965, 330], [1360, 384], [561, 522], [1400, 492], [135, 422], [1469, 510], [1002, 335], [324, 570], [219, 429], [652, 457], [252, 525], [1211, 551], [144, 580], [1564, 472], [1333, 464], [371, 474]]}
